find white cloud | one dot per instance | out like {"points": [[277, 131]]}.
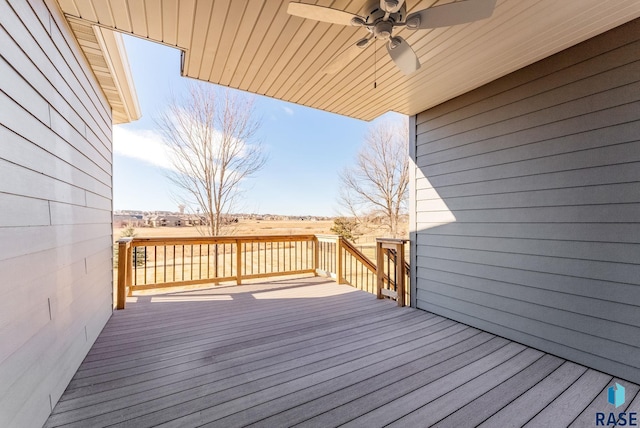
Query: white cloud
{"points": [[288, 110], [143, 145]]}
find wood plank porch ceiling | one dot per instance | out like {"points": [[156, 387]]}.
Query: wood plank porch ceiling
{"points": [[254, 45], [310, 352]]}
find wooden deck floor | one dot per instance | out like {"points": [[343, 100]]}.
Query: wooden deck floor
{"points": [[316, 354]]}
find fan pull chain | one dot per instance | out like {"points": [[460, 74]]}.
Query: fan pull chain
{"points": [[375, 63]]}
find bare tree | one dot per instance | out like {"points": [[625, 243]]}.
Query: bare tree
{"points": [[211, 135], [378, 182]]}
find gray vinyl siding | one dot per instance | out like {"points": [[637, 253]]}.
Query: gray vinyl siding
{"points": [[527, 205], [55, 210]]}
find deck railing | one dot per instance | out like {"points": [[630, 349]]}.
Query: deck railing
{"points": [[357, 269], [392, 270], [153, 263]]}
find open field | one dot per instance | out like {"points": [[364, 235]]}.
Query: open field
{"points": [[259, 227], [364, 242], [248, 227]]}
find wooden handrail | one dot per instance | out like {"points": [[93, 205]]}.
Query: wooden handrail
{"points": [[358, 255], [139, 242]]}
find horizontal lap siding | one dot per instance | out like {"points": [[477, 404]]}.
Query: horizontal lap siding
{"points": [[527, 205], [55, 210]]}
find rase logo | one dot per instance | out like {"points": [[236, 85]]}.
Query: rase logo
{"points": [[615, 397]]}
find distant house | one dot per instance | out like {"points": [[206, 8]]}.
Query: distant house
{"points": [[155, 221], [193, 220], [122, 220], [173, 221]]}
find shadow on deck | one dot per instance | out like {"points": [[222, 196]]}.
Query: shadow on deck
{"points": [[315, 353]]}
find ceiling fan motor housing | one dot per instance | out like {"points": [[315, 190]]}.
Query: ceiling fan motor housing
{"points": [[382, 30], [373, 15]]}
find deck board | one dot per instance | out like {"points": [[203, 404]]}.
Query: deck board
{"points": [[570, 403], [486, 405], [312, 353], [316, 399], [183, 351]]}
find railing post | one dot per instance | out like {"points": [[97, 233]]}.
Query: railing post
{"points": [[379, 269], [339, 276], [400, 280], [238, 261], [316, 254], [130, 267], [124, 271]]}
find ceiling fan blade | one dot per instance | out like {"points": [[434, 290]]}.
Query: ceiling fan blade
{"points": [[345, 57], [402, 54], [451, 14], [321, 13], [391, 6]]}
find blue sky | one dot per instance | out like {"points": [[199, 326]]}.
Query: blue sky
{"points": [[306, 148]]}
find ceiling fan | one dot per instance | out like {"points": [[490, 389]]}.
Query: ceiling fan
{"points": [[380, 17]]}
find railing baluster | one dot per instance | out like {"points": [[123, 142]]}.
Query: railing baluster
{"points": [[258, 257], [328, 256], [389, 269], [325, 256], [395, 271], [351, 269], [333, 257], [239, 253], [135, 265], [146, 259], [155, 263]]}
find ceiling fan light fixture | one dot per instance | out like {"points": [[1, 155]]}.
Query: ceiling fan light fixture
{"points": [[356, 21], [390, 4], [413, 22]]}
